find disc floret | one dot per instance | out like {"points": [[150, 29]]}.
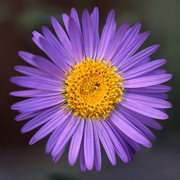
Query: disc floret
{"points": [[92, 89]]}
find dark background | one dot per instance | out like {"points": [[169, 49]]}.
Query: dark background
{"points": [[18, 160]]}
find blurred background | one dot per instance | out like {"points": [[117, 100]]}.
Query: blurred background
{"points": [[18, 160]]}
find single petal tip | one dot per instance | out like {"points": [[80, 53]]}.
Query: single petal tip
{"points": [[32, 141], [20, 52], [11, 93], [23, 130], [149, 145], [71, 161], [13, 107]]}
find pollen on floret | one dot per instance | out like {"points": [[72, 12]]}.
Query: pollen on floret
{"points": [[92, 88]]}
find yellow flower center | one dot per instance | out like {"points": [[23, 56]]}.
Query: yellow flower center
{"points": [[92, 89]]}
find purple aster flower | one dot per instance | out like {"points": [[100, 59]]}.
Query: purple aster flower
{"points": [[92, 91]]}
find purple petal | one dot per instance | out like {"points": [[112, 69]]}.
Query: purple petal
{"points": [[155, 95], [106, 141], [27, 115], [122, 140], [88, 144], [31, 82], [97, 150], [65, 135], [107, 33], [55, 55], [63, 38], [144, 61], [128, 44], [134, 45], [116, 41], [41, 118], [56, 133], [27, 57], [42, 64], [76, 143], [74, 15], [146, 120], [87, 34], [58, 156], [33, 93], [144, 69], [46, 129], [36, 38], [117, 144], [144, 109], [158, 95], [95, 25], [130, 116], [46, 66], [129, 129], [140, 56], [146, 100], [151, 89], [147, 81], [133, 144], [65, 18], [82, 160], [157, 72], [59, 49], [37, 103], [150, 122], [76, 41], [33, 72]]}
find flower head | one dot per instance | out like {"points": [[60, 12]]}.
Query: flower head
{"points": [[92, 90]]}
